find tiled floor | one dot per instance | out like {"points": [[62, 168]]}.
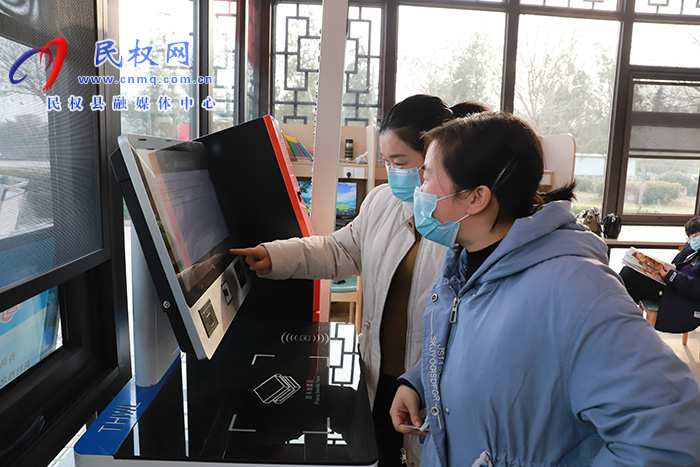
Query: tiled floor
{"points": [[690, 353]]}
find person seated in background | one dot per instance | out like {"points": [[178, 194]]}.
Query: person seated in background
{"points": [[679, 297]]}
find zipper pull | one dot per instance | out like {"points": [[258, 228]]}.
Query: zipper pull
{"points": [[453, 313], [404, 457]]}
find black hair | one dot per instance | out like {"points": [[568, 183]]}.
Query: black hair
{"points": [[500, 151], [466, 108], [692, 226], [413, 116]]}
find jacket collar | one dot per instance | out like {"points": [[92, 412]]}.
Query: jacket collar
{"points": [[549, 233]]}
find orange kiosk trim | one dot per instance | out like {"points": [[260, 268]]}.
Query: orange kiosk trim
{"points": [[290, 182]]}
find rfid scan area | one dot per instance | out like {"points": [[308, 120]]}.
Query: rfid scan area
{"points": [[258, 382]]}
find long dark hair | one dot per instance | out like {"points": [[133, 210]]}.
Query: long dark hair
{"points": [[500, 151], [411, 118]]}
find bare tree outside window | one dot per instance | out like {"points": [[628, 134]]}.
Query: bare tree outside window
{"points": [[564, 84], [454, 62]]}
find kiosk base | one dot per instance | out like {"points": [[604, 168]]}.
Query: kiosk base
{"points": [[276, 393]]}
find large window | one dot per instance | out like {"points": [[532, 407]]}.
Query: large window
{"points": [[47, 181], [158, 68], [656, 163], [663, 147], [565, 66], [25, 178], [296, 54], [223, 22], [673, 45], [564, 84], [454, 62]]}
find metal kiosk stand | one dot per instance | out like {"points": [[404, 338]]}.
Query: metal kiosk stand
{"points": [[280, 389]]}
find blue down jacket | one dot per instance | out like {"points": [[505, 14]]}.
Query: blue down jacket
{"points": [[543, 359]]}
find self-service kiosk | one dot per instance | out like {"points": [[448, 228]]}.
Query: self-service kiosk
{"points": [[259, 382]]}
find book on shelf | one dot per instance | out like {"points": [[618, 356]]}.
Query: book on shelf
{"points": [[645, 264], [298, 150]]}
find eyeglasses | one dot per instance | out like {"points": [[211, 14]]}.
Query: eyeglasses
{"points": [[695, 235]]}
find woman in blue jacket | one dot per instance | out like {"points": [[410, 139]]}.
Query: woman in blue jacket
{"points": [[533, 352]]}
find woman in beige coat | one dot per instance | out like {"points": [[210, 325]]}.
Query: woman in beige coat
{"points": [[397, 268]]}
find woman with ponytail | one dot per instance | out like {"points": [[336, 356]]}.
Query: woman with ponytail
{"points": [[533, 352], [397, 267]]}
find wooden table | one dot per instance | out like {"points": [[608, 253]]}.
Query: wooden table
{"points": [[616, 243]]}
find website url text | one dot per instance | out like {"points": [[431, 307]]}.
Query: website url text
{"points": [[152, 80]]}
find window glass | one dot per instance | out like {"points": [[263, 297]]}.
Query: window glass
{"points": [[454, 62], [362, 66], [49, 188], [663, 147], [158, 73], [564, 84], [253, 59], [668, 186], [25, 171], [223, 63], [674, 45], [296, 57], [605, 5], [29, 331], [664, 96], [667, 7]]}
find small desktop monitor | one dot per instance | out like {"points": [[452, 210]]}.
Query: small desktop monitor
{"points": [[305, 188], [185, 240], [346, 200], [346, 197]]}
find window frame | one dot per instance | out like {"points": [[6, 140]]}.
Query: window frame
{"points": [[205, 50], [385, 66], [618, 183]]}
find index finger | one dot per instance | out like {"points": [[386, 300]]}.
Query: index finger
{"points": [[242, 251]]}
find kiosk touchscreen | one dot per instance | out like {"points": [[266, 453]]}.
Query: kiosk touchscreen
{"points": [[176, 211]]}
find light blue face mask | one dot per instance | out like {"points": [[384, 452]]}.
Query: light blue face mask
{"points": [[403, 181], [694, 243], [424, 205]]}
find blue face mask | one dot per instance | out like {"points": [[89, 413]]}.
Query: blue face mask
{"points": [[694, 243], [402, 182], [424, 205]]}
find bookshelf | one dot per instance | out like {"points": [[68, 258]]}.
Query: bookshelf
{"points": [[364, 140]]}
